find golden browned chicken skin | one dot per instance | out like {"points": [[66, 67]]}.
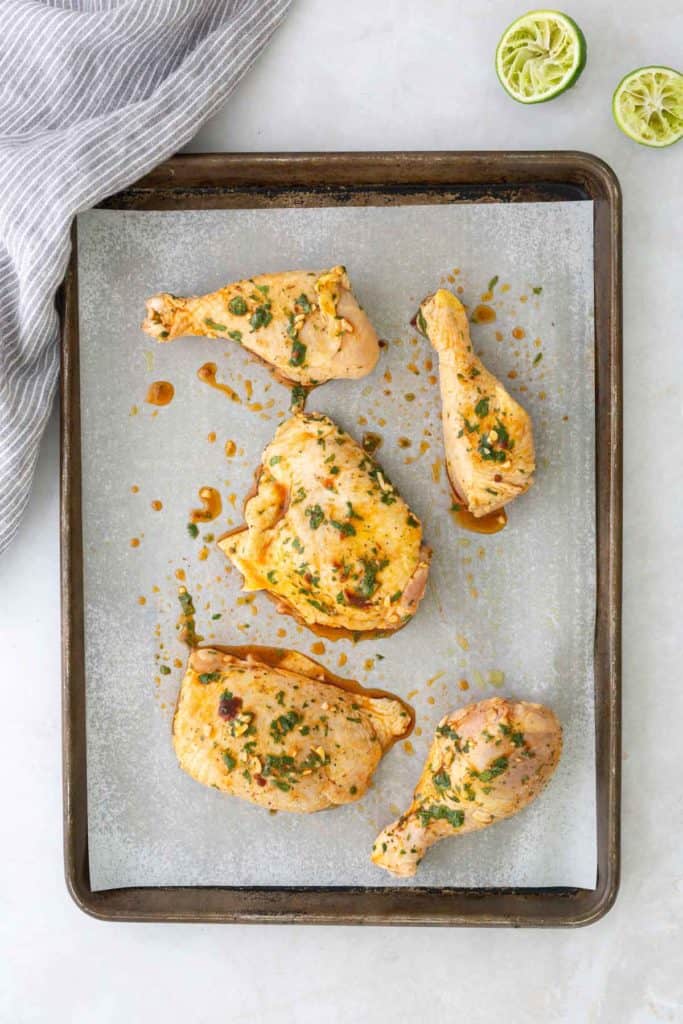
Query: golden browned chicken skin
{"points": [[487, 762], [328, 535], [488, 437], [307, 325], [272, 727]]}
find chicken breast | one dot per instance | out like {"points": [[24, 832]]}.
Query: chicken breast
{"points": [[275, 728], [328, 535], [486, 763], [488, 437], [307, 325]]}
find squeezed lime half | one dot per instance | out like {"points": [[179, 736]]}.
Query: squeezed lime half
{"points": [[648, 106], [540, 55]]}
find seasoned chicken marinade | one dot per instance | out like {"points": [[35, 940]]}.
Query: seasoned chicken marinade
{"points": [[487, 762], [328, 535], [275, 728], [308, 326], [488, 438]]}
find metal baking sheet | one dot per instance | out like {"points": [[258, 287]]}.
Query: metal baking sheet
{"points": [[521, 603]]}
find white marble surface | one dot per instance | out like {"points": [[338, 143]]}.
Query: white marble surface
{"points": [[380, 76]]}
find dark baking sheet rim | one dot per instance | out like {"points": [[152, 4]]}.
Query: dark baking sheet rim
{"points": [[212, 181]]}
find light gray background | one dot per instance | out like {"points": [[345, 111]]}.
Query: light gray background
{"points": [[412, 76], [524, 599]]}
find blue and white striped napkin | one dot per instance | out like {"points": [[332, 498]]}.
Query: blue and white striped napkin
{"points": [[93, 93]]}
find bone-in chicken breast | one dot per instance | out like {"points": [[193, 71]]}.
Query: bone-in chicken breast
{"points": [[272, 727], [306, 325], [486, 763], [488, 437], [328, 535]]}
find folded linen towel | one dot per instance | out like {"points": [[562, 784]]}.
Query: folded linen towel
{"points": [[93, 93]]}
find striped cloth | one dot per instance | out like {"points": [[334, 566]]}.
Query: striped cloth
{"points": [[93, 93]]}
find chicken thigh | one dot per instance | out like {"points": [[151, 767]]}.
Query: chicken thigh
{"points": [[488, 438], [273, 727], [487, 762], [327, 534], [306, 325]]}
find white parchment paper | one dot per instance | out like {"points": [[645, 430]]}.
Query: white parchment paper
{"points": [[521, 602]]}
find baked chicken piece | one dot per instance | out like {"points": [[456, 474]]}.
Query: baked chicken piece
{"points": [[488, 438], [306, 325], [487, 762], [275, 728], [327, 535]]}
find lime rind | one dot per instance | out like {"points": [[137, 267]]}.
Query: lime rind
{"points": [[540, 55], [648, 106]]}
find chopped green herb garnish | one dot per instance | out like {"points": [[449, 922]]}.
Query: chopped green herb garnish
{"points": [[213, 326], [261, 316], [237, 306], [298, 353], [469, 427], [193, 530], [298, 397], [229, 760], [235, 335], [538, 289], [441, 813], [492, 283], [369, 583], [315, 515], [412, 521], [303, 303], [442, 780], [421, 323], [275, 459], [346, 529], [481, 409], [445, 730], [538, 358], [284, 724], [272, 578], [165, 670], [210, 677], [497, 768], [263, 288]]}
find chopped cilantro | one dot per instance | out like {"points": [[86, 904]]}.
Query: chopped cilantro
{"points": [[481, 409], [316, 516], [346, 529], [283, 724], [213, 326], [298, 353], [165, 670], [193, 530], [261, 317], [237, 306], [441, 813], [229, 759], [492, 283], [442, 780], [210, 677], [497, 768], [303, 303]]}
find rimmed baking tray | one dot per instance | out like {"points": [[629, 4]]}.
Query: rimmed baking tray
{"points": [[232, 181]]}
